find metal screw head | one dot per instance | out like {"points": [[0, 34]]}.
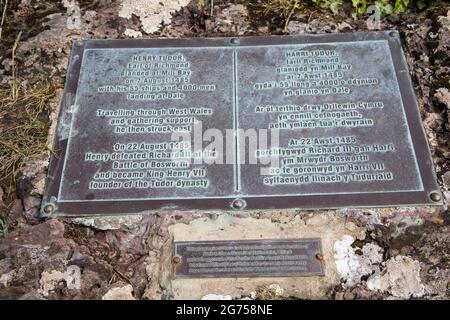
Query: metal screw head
{"points": [[319, 256], [393, 34], [238, 204], [234, 41], [49, 208], [435, 196], [176, 260]]}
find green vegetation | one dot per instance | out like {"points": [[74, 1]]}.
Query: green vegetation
{"points": [[388, 7], [285, 9], [3, 228], [332, 5]]}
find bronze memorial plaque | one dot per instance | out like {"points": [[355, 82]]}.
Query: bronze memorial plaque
{"points": [[248, 258], [319, 121]]}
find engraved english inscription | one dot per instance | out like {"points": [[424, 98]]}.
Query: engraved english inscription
{"points": [[129, 116], [247, 258]]}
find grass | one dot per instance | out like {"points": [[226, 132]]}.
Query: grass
{"points": [[23, 123], [23, 127], [283, 9], [3, 7], [4, 228]]}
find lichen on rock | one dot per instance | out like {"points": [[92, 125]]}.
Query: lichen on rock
{"points": [[354, 263], [151, 13], [109, 223], [212, 296], [120, 293], [401, 278], [50, 280]]}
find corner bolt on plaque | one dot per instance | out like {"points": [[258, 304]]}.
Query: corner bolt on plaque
{"points": [[320, 121]]}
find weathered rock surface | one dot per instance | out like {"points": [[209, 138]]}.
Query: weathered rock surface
{"points": [[401, 278], [233, 19], [151, 13], [327, 226], [354, 263], [120, 293], [109, 223], [368, 253]]}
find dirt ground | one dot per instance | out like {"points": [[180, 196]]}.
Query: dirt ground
{"points": [[393, 253]]}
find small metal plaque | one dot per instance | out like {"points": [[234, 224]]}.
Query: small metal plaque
{"points": [[248, 258], [321, 121]]}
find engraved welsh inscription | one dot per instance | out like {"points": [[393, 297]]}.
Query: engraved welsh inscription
{"points": [[340, 115], [293, 257]]}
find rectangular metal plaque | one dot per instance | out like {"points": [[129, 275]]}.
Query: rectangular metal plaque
{"points": [[248, 258], [319, 121]]}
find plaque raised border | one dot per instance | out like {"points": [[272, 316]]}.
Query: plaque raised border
{"points": [[429, 195]]}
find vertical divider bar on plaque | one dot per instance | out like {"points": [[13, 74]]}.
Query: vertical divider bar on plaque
{"points": [[236, 164]]}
